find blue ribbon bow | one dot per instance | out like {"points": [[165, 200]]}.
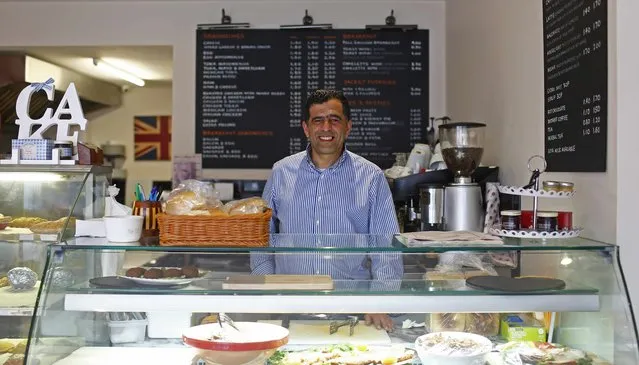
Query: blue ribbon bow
{"points": [[43, 85]]}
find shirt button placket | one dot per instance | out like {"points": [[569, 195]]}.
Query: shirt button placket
{"points": [[318, 215]]}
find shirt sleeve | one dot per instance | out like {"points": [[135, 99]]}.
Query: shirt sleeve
{"points": [[387, 268], [264, 263]]}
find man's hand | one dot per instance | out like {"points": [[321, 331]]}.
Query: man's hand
{"points": [[380, 321]]}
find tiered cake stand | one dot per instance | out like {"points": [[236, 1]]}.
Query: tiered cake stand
{"points": [[535, 193]]}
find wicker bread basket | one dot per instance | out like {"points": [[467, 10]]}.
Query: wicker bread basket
{"points": [[244, 230]]}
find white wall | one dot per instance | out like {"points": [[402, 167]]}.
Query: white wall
{"points": [[627, 142], [496, 74], [173, 23], [117, 126]]}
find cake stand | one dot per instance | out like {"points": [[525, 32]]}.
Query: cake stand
{"points": [[535, 193]]}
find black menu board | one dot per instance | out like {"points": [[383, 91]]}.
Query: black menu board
{"points": [[576, 84], [252, 85]]}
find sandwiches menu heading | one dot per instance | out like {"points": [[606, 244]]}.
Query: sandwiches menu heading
{"points": [[252, 86]]}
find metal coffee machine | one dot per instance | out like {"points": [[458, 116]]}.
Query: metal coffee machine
{"points": [[462, 146]]}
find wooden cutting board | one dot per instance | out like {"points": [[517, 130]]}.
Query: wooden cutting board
{"points": [[317, 333], [278, 282]]}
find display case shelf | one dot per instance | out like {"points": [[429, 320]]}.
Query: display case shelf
{"points": [[327, 243], [573, 233], [518, 190], [262, 302], [16, 312]]}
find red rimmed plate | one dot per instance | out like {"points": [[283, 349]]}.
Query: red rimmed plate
{"points": [[253, 336]]}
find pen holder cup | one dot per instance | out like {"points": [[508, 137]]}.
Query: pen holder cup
{"points": [[149, 210]]}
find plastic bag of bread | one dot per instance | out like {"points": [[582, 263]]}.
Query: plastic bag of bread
{"points": [[485, 324], [455, 322], [252, 205], [192, 197]]}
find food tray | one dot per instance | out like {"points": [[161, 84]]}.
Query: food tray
{"points": [[244, 230], [534, 234], [517, 190]]}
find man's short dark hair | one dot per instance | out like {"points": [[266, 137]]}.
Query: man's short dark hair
{"points": [[321, 96]]}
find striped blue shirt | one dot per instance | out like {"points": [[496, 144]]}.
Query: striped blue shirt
{"points": [[348, 204]]}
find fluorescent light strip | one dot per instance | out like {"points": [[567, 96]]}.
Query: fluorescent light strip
{"points": [[117, 72], [30, 176]]}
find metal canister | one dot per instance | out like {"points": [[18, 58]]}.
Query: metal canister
{"points": [[431, 204]]}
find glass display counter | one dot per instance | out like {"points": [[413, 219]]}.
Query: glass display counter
{"points": [[38, 207], [103, 303]]}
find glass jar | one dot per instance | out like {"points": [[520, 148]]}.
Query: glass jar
{"points": [[65, 148], [566, 187], [511, 220], [551, 186], [547, 221]]}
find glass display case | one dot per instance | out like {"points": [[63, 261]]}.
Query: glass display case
{"points": [[38, 206], [103, 303]]}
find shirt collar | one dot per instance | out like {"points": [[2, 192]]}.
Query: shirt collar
{"points": [[335, 165]]}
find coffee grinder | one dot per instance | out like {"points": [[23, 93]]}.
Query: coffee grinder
{"points": [[462, 146]]}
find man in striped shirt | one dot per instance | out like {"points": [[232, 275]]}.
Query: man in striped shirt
{"points": [[327, 190]]}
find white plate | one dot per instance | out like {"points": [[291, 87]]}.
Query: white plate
{"points": [[161, 282], [164, 281]]}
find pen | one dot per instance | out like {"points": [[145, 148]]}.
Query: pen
{"points": [[154, 191], [140, 191]]}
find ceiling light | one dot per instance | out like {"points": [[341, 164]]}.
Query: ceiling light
{"points": [[29, 176], [118, 72]]}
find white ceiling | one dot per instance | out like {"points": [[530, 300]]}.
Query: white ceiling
{"points": [[153, 64]]}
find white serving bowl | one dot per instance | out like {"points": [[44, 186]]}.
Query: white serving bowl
{"points": [[256, 343], [478, 358], [125, 228]]}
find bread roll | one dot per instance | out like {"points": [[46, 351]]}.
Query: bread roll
{"points": [[246, 206], [183, 202]]}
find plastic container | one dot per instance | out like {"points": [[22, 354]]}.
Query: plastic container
{"points": [[128, 331]]}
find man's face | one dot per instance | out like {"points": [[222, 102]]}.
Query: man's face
{"points": [[327, 127]]}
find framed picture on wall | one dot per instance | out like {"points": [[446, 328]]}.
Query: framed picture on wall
{"points": [[152, 138], [186, 168]]}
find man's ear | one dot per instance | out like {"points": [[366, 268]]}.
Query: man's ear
{"points": [[305, 127], [349, 126]]}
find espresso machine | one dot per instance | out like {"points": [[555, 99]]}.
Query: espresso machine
{"points": [[462, 146]]}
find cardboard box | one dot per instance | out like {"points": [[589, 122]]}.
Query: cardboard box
{"points": [[521, 327], [34, 149]]}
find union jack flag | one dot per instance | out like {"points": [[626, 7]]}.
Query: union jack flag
{"points": [[153, 138]]}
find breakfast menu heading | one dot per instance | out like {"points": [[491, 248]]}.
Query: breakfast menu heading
{"points": [[576, 84], [252, 86]]}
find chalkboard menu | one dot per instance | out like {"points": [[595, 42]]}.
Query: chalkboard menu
{"points": [[252, 85], [576, 84]]}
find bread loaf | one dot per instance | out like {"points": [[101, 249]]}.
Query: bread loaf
{"points": [[245, 206]]}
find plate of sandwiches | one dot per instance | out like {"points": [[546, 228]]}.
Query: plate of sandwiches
{"points": [[163, 276], [345, 354]]}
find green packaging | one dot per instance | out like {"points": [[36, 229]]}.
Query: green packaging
{"points": [[517, 327]]}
